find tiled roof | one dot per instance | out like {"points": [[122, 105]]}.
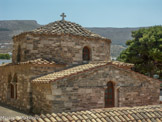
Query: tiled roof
{"points": [[123, 114], [38, 61], [75, 70], [122, 64], [65, 27], [68, 72]]}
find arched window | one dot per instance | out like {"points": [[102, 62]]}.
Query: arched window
{"points": [[86, 54], [12, 89], [12, 83], [109, 95], [15, 84]]}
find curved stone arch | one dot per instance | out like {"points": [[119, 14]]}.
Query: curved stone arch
{"points": [[14, 78], [113, 82]]}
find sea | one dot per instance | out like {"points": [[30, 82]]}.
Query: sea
{"points": [[5, 61]]}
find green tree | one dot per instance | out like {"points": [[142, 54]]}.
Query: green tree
{"points": [[4, 56], [145, 51]]}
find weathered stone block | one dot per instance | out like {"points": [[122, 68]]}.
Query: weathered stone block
{"points": [[49, 97], [57, 92]]}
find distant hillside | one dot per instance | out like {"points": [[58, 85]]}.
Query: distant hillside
{"points": [[8, 28], [13, 27], [118, 35]]}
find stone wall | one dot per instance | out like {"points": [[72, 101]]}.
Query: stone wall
{"points": [[145, 94], [62, 49], [86, 90], [22, 101], [41, 96], [24, 73]]}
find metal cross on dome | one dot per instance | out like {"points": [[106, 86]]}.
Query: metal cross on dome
{"points": [[63, 16]]}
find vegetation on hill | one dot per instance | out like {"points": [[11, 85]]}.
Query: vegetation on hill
{"points": [[145, 51], [116, 50], [5, 56]]}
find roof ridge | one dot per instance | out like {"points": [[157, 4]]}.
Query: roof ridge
{"points": [[65, 27], [138, 113], [38, 61], [68, 72], [82, 68]]}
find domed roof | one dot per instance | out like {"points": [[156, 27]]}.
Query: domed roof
{"points": [[65, 27]]}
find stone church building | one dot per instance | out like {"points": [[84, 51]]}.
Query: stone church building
{"points": [[64, 67]]}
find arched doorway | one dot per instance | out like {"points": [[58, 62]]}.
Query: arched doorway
{"points": [[86, 54], [109, 95]]}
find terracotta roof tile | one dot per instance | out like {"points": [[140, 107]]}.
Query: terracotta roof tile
{"points": [[103, 120], [75, 70], [69, 117], [64, 27], [122, 64], [38, 61], [121, 118], [85, 117], [83, 68], [103, 115], [53, 119], [58, 119], [113, 119], [98, 120], [108, 119], [65, 73]]}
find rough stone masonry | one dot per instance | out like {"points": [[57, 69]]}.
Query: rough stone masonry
{"points": [[64, 67]]}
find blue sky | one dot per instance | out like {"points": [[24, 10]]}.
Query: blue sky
{"points": [[88, 13]]}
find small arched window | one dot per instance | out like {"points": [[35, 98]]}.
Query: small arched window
{"points": [[109, 95], [86, 54], [12, 89], [12, 81]]}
